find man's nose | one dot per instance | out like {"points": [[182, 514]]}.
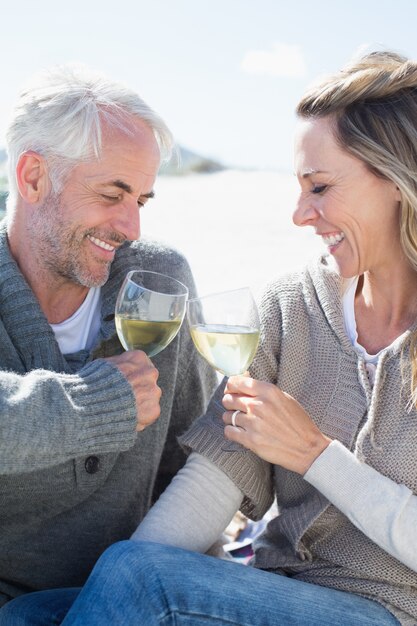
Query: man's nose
{"points": [[127, 221]]}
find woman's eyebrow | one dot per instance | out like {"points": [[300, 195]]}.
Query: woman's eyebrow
{"points": [[311, 172]]}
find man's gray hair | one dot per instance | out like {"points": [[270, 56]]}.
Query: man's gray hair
{"points": [[60, 114]]}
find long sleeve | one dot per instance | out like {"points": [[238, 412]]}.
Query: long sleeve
{"points": [[47, 418], [72, 465], [382, 509], [251, 474], [195, 508]]}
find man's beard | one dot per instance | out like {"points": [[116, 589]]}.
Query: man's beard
{"points": [[62, 249]]}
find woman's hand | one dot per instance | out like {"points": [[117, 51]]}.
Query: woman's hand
{"points": [[272, 424]]}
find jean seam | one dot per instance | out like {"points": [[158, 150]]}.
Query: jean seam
{"points": [[221, 620]]}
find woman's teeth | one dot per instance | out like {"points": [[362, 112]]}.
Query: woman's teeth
{"points": [[332, 240]]}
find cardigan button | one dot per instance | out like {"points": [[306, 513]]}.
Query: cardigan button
{"points": [[92, 464]]}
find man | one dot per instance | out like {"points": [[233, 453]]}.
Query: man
{"points": [[87, 441]]}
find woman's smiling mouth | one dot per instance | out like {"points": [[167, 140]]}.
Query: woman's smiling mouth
{"points": [[332, 239]]}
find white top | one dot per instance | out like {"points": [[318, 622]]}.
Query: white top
{"points": [[382, 509], [79, 331], [371, 360]]}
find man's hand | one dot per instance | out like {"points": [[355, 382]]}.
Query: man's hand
{"points": [[142, 375]]}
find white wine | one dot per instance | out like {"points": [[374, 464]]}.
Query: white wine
{"points": [[146, 335], [229, 349]]}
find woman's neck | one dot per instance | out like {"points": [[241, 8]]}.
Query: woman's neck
{"points": [[385, 306]]}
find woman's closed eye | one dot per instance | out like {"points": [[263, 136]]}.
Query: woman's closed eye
{"points": [[319, 189]]}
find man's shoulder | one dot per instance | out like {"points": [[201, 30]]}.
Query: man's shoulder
{"points": [[153, 255], [150, 251], [149, 248]]}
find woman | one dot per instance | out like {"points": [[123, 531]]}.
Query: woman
{"points": [[327, 421]]}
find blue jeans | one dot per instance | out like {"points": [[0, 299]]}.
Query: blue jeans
{"points": [[148, 584], [39, 608]]}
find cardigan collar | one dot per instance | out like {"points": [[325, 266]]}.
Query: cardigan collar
{"points": [[23, 318], [27, 325], [329, 287]]}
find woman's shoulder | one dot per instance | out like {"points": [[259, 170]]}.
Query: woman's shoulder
{"points": [[320, 274]]}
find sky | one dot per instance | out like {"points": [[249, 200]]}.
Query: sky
{"points": [[225, 75]]}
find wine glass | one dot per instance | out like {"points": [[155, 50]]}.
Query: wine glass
{"points": [[149, 311], [225, 329]]}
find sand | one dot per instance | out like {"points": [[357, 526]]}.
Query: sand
{"points": [[234, 227]]}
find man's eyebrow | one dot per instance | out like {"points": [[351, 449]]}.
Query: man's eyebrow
{"points": [[125, 187], [121, 185], [149, 195]]}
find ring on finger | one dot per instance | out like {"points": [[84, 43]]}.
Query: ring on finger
{"points": [[234, 415]]}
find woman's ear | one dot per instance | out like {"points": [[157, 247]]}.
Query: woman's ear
{"points": [[32, 177], [398, 195]]}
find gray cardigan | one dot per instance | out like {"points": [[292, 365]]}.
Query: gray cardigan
{"points": [[74, 474], [306, 352]]}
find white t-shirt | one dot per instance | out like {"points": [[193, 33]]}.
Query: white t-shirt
{"points": [[371, 360], [79, 331]]}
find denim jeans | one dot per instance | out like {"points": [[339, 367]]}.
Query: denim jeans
{"points": [[147, 584], [39, 608]]}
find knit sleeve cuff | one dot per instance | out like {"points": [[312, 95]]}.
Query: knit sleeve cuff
{"points": [[250, 474], [106, 407]]}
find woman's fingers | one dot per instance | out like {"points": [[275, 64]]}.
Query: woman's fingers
{"points": [[246, 404], [272, 424], [236, 423], [237, 419], [242, 385]]}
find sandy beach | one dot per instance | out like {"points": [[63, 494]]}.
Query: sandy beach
{"points": [[234, 227]]}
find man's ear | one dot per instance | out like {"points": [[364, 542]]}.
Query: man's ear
{"points": [[32, 177]]}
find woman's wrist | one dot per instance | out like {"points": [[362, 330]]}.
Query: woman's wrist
{"points": [[317, 449]]}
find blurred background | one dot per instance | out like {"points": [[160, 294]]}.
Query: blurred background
{"points": [[226, 76]]}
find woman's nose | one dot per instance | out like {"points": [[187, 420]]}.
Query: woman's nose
{"points": [[305, 213]]}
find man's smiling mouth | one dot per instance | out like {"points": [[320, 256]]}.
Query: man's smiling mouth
{"points": [[101, 244]]}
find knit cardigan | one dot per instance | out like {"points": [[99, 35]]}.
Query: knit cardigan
{"points": [[75, 476], [305, 351]]}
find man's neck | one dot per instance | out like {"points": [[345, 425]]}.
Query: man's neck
{"points": [[58, 297], [63, 303]]}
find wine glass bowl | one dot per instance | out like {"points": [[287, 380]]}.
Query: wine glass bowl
{"points": [[225, 329], [149, 311]]}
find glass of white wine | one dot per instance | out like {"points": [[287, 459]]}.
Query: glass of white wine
{"points": [[149, 312], [225, 329]]}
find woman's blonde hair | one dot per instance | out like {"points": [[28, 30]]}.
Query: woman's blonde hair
{"points": [[373, 102]]}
